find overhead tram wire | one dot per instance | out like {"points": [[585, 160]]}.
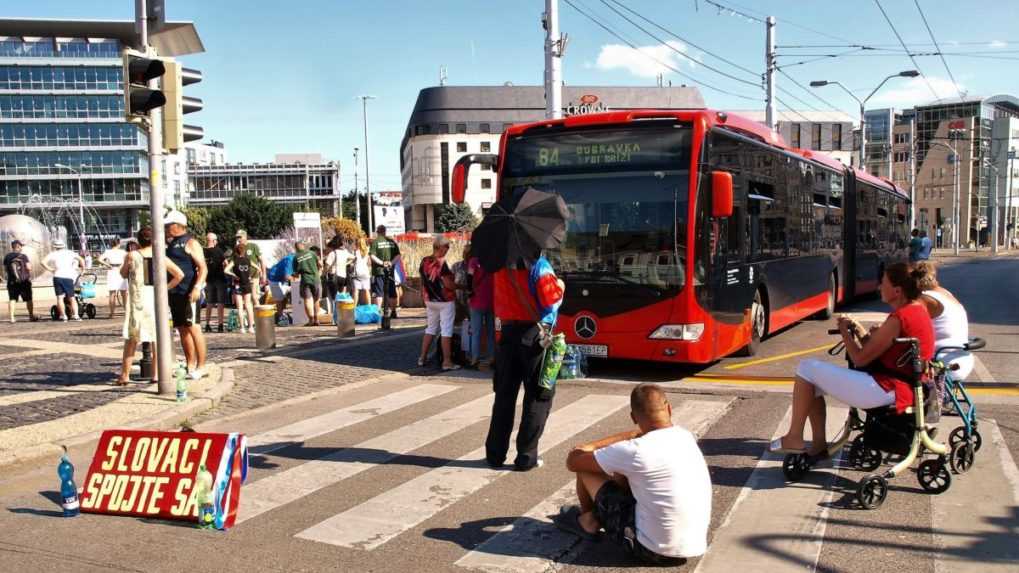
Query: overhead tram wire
{"points": [[791, 109], [938, 48], [911, 58], [722, 7], [659, 62], [808, 90]]}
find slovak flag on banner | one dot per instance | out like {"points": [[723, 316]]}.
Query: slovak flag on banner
{"points": [[399, 273], [232, 472]]}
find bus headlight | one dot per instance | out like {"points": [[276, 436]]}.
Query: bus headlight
{"points": [[688, 332]]}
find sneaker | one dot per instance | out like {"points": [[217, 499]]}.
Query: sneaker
{"points": [[208, 328], [220, 329], [63, 319], [77, 319], [244, 330], [195, 374], [13, 320], [537, 465]]}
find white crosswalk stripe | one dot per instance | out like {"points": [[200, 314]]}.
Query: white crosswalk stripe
{"points": [[284, 487], [768, 504], [972, 519], [514, 549], [386, 516], [332, 421]]}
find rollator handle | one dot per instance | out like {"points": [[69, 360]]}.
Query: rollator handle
{"points": [[975, 343], [833, 331]]}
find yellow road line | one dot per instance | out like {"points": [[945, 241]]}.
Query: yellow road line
{"points": [[1013, 391], [774, 358]]}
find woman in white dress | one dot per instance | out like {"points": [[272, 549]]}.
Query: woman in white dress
{"points": [[139, 308], [362, 272], [116, 286]]}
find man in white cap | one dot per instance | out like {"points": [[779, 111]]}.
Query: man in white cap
{"points": [[65, 265], [187, 253]]}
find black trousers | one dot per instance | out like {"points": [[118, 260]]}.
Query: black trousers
{"points": [[518, 360]]}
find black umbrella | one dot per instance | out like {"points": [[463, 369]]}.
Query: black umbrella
{"points": [[518, 228]]}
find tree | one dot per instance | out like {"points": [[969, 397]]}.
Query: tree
{"points": [[198, 222], [260, 217], [347, 229], [455, 217], [350, 209]]}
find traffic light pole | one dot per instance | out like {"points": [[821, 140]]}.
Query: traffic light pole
{"points": [[164, 340]]}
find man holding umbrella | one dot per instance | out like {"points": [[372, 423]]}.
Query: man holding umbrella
{"points": [[509, 243]]}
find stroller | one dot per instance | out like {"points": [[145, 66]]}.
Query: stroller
{"points": [[884, 431], [84, 289]]}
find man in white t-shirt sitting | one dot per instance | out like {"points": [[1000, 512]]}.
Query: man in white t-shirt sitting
{"points": [[648, 488]]}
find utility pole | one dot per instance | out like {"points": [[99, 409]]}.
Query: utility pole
{"points": [[367, 186], [357, 194], [912, 176], [769, 59], [956, 231], [993, 204], [164, 342], [555, 45], [1009, 215]]}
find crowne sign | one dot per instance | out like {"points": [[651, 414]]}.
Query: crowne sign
{"points": [[152, 474]]}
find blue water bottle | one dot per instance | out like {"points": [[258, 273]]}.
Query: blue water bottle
{"points": [[68, 491]]}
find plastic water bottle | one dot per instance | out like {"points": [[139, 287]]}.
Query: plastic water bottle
{"points": [[180, 375], [553, 362], [232, 321], [68, 490], [204, 499]]}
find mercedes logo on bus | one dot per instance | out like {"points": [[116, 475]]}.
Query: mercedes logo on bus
{"points": [[585, 327]]}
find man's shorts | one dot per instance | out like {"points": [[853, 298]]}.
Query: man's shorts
{"points": [[63, 287], [22, 290], [439, 318], [182, 310], [309, 290], [215, 292], [615, 509], [379, 287]]}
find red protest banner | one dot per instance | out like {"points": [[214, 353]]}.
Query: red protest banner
{"points": [[152, 474]]}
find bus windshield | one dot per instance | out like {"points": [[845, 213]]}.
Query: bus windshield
{"points": [[627, 192]]}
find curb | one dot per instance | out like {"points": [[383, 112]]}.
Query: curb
{"points": [[169, 419]]}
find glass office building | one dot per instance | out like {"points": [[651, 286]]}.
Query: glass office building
{"points": [[61, 126]]}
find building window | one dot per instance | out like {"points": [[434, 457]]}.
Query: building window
{"points": [[444, 156], [486, 167], [444, 128], [486, 146], [461, 147], [794, 134], [486, 183], [485, 128], [836, 136], [421, 130], [461, 128], [815, 140]]}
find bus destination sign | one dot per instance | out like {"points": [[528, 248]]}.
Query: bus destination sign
{"points": [[628, 148]]}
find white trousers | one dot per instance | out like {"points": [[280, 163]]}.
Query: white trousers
{"points": [[855, 388]]}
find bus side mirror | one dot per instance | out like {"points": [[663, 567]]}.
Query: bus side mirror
{"points": [[721, 194], [461, 170]]}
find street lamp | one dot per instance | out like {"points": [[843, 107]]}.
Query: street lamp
{"points": [[357, 194], [367, 188], [955, 194], [81, 200], [993, 203], [863, 102]]}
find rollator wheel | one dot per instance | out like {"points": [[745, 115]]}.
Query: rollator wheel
{"points": [[959, 435], [795, 466], [872, 491], [90, 310], [53, 313], [976, 440], [933, 476], [962, 457], [863, 458]]}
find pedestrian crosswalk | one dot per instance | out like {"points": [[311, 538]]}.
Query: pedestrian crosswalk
{"points": [[762, 523]]}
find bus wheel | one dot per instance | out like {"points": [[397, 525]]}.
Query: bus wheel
{"points": [[829, 309], [758, 325]]}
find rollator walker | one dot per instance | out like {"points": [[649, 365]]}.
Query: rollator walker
{"points": [[884, 431]]}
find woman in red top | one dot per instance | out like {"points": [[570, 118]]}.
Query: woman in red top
{"points": [[888, 384]]}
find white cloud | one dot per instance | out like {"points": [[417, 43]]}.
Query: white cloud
{"points": [[997, 44], [651, 61], [914, 91]]}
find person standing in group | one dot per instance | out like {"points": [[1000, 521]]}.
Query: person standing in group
{"points": [[336, 263], [925, 247], [482, 317], [362, 272], [915, 244], [438, 289], [187, 253], [279, 282], [463, 287], [140, 302], [66, 266], [215, 284], [254, 255], [383, 250], [18, 271], [239, 269], [116, 286], [306, 268], [526, 301], [320, 303]]}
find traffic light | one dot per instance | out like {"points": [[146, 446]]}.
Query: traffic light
{"points": [[139, 99], [175, 133]]}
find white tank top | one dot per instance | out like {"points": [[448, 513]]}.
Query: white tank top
{"points": [[951, 328]]}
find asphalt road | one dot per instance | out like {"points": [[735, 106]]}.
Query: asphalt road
{"points": [[385, 476]]}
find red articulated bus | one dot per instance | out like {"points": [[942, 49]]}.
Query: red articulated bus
{"points": [[696, 233]]}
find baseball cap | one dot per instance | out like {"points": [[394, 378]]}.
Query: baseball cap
{"points": [[440, 241], [16, 242], [241, 233], [175, 217]]}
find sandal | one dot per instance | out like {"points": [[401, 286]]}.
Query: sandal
{"points": [[568, 520], [776, 447], [451, 368], [421, 361], [119, 382]]}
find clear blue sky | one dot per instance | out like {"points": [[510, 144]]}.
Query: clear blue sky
{"points": [[284, 76]]}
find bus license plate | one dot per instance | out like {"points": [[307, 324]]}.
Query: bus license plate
{"points": [[593, 349]]}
